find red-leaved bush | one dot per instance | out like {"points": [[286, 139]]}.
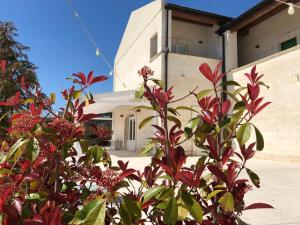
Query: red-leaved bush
{"points": [[43, 180]]}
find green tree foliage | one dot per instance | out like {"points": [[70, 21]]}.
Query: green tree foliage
{"points": [[17, 65]]}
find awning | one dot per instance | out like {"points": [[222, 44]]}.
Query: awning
{"points": [[107, 102]]}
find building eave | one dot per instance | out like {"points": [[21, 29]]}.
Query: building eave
{"points": [[196, 16], [255, 15]]}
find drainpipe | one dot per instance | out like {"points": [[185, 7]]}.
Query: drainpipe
{"points": [[224, 79], [166, 50]]}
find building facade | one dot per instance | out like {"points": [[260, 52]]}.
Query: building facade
{"points": [[174, 40]]}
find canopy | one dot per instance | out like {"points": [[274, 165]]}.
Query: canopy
{"points": [[107, 102]]}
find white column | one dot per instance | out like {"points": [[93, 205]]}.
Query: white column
{"points": [[231, 51]]}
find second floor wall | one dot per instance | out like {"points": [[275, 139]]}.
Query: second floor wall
{"points": [[195, 40], [273, 35], [144, 28]]}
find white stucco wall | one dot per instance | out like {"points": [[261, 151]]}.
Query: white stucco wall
{"points": [[134, 50], [280, 122], [119, 116], [268, 35], [191, 34], [185, 76]]}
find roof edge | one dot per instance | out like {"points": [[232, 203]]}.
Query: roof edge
{"points": [[244, 15], [197, 11]]}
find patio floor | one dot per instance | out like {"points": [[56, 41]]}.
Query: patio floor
{"points": [[280, 187]]}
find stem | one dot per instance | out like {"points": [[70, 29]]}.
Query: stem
{"points": [[180, 99], [56, 184]]}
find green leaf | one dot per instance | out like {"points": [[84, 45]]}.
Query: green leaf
{"points": [[76, 94], [171, 212], [239, 90], [231, 95], [33, 149], [158, 82], [235, 118], [182, 211], [145, 121], [4, 171], [253, 177], [263, 84], [227, 202], [84, 145], [147, 148], [28, 101], [186, 108], [68, 186], [3, 116], [93, 213], [203, 93], [140, 92], [243, 133], [213, 194], [230, 83], [97, 153], [53, 98], [167, 192], [260, 144], [150, 193], [174, 120], [132, 210], [239, 105], [18, 146], [173, 111], [41, 196], [193, 206], [191, 125]]}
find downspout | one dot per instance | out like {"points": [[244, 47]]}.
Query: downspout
{"points": [[224, 79], [166, 50]]}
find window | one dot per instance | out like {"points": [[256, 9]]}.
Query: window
{"points": [[153, 46], [180, 46], [288, 44], [131, 129]]}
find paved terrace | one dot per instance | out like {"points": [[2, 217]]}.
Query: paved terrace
{"points": [[280, 187]]}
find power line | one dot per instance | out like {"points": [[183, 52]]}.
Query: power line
{"points": [[93, 42], [291, 6]]}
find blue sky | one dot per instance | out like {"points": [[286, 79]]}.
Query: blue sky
{"points": [[59, 47]]}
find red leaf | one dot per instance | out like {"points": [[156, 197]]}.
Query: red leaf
{"points": [[261, 108], [122, 165], [217, 172], [217, 69], [228, 152], [165, 167], [4, 196], [186, 177], [231, 173], [90, 77], [127, 173], [35, 219], [98, 79], [81, 76], [225, 107], [259, 206], [219, 78], [12, 101], [207, 72], [88, 117], [253, 91], [3, 67]]}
